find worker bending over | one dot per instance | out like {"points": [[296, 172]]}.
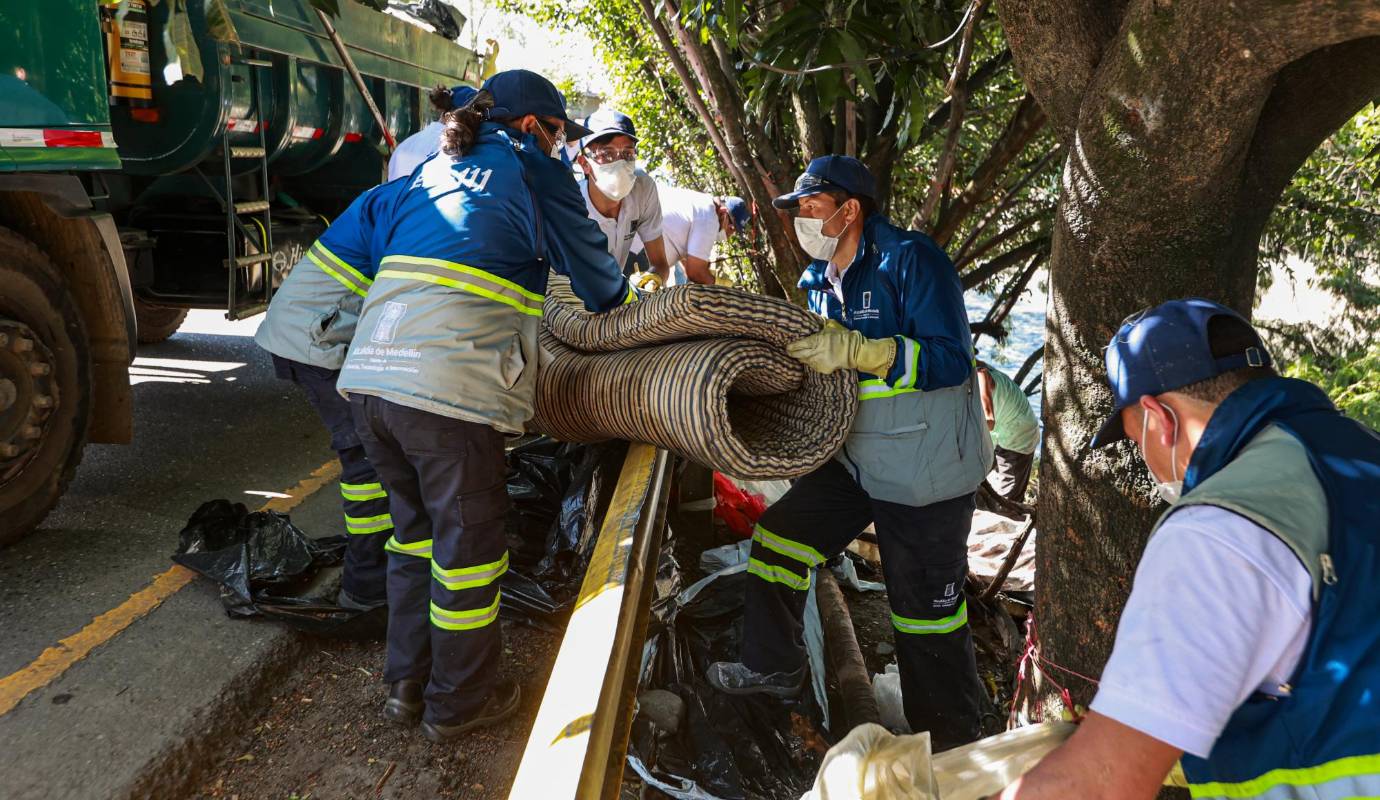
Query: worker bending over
{"points": [[1015, 431], [619, 197], [443, 365], [414, 149], [917, 452], [692, 223], [1249, 644], [308, 329]]}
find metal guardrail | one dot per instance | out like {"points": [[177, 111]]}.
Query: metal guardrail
{"points": [[578, 744]]}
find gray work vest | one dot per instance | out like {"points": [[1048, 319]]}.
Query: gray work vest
{"points": [[313, 314], [447, 338], [918, 447]]}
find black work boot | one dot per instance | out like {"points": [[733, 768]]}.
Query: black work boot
{"points": [[736, 678], [404, 705], [502, 703]]}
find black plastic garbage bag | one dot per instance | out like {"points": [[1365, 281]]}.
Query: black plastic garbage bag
{"points": [[446, 21], [261, 560]]}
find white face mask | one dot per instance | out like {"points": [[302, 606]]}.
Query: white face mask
{"points": [[1171, 490], [615, 180], [812, 238], [557, 145]]}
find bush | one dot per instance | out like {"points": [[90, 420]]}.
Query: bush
{"points": [[1352, 381]]}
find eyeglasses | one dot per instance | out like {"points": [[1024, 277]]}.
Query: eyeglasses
{"points": [[608, 155]]}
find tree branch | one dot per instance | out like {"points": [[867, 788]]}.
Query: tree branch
{"points": [[1009, 196], [958, 99], [1029, 364], [963, 258], [1004, 261]]}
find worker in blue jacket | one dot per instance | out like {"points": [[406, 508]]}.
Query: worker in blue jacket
{"points": [[918, 451], [307, 330], [443, 365]]}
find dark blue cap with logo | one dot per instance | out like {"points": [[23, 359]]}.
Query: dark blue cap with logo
{"points": [[1167, 348], [607, 122], [519, 92], [739, 212], [831, 172], [460, 95]]}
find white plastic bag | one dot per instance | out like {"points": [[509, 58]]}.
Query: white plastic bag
{"points": [[871, 763], [886, 690]]}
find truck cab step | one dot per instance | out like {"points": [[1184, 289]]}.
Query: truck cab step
{"points": [[248, 152], [251, 206], [250, 260]]}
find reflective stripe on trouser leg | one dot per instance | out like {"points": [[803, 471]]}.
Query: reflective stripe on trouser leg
{"points": [[363, 497], [817, 518], [924, 557]]}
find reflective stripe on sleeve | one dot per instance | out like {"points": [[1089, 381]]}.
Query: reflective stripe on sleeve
{"points": [[632, 295], [947, 624], [803, 553], [1352, 777], [420, 549], [470, 577], [772, 573], [362, 491], [465, 278], [330, 264], [466, 620], [362, 525], [910, 356], [874, 388]]}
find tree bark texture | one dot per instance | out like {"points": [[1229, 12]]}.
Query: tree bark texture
{"points": [[1183, 121]]}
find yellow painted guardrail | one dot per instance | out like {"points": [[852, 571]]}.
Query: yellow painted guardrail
{"points": [[579, 740]]}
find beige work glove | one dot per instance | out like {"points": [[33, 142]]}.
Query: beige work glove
{"points": [[836, 347], [646, 281]]}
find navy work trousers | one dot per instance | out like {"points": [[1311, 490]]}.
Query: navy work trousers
{"points": [[362, 495], [447, 493], [925, 561]]}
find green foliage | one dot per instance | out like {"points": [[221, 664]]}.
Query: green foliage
{"points": [[1352, 381]]}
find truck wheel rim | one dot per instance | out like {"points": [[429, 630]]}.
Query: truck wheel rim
{"points": [[28, 395]]}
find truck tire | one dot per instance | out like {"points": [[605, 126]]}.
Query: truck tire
{"points": [[45, 369], [156, 323]]}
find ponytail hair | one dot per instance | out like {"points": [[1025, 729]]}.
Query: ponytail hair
{"points": [[462, 124], [440, 99]]}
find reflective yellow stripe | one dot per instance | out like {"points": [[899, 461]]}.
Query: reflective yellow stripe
{"points": [[374, 524], [632, 295], [338, 262], [874, 388], [420, 549], [774, 574], [803, 553], [911, 358], [1342, 768], [470, 577], [346, 282], [464, 620], [465, 278], [461, 285], [362, 491], [942, 625]]}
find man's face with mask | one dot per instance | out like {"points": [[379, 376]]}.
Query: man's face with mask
{"points": [[611, 163], [1154, 426], [837, 216], [549, 131]]}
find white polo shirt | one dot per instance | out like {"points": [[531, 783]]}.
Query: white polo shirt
{"points": [[414, 149], [1220, 609], [638, 216]]}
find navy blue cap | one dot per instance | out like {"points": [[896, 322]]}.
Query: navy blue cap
{"points": [[519, 92], [607, 122], [831, 172], [460, 95], [1167, 348], [739, 212]]}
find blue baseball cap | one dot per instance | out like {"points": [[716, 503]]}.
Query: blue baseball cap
{"points": [[460, 95], [607, 122], [519, 92], [831, 172], [738, 211], [1167, 348]]}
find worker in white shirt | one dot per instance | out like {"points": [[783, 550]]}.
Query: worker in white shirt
{"points": [[691, 224], [414, 149], [619, 197]]}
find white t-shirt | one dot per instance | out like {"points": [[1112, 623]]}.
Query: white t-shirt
{"points": [[1220, 608], [689, 224], [414, 149], [639, 215]]}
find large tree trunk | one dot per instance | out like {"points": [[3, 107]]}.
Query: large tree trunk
{"points": [[1183, 122]]}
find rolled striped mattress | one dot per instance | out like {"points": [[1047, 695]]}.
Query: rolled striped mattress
{"points": [[701, 371]]}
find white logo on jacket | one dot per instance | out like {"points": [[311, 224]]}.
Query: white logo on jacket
{"points": [[387, 327]]}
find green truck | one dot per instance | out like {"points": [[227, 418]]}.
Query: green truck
{"points": [[161, 155]]}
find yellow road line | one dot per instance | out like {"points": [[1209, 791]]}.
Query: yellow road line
{"points": [[56, 660]]}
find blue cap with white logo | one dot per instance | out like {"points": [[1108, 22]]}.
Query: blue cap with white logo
{"points": [[607, 122], [460, 95], [1167, 348], [831, 172], [519, 92]]}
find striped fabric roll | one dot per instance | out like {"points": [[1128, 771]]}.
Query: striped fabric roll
{"points": [[698, 370]]}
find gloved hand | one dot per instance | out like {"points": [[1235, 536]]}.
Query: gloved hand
{"points": [[646, 281], [836, 347]]}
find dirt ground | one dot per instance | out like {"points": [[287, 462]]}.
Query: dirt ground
{"points": [[321, 736]]}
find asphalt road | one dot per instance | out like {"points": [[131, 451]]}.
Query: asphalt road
{"points": [[132, 717]]}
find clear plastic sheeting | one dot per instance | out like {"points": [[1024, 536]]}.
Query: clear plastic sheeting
{"points": [[874, 764]]}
